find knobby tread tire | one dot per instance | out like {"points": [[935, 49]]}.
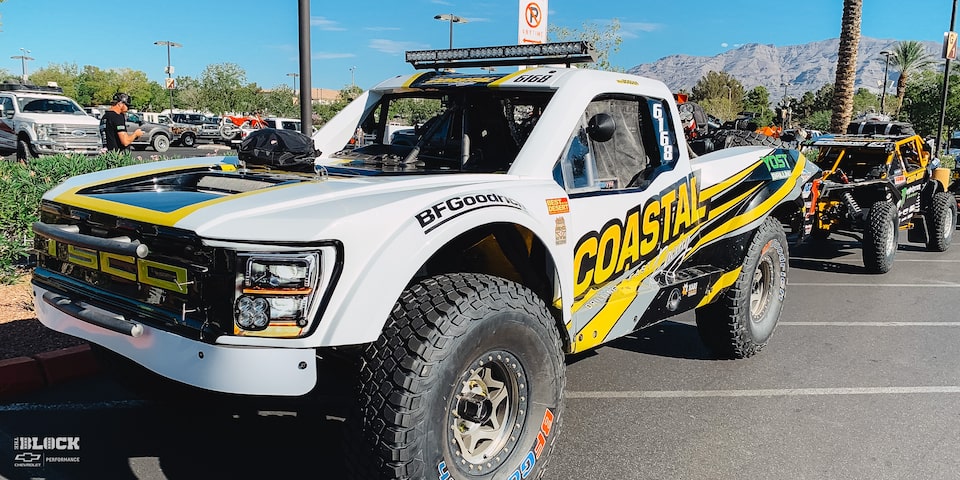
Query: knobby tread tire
{"points": [[941, 222], [726, 325], [741, 138], [399, 371], [882, 221]]}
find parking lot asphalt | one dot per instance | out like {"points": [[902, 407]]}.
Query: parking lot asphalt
{"points": [[861, 380]]}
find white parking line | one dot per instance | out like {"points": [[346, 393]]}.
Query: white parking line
{"points": [[894, 285], [776, 392], [870, 324]]}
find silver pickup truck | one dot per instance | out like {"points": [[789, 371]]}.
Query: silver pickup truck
{"points": [[37, 120]]}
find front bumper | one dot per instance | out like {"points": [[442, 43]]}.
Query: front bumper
{"points": [[219, 368], [51, 148]]}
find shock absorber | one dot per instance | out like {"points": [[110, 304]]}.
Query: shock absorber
{"points": [[852, 204]]}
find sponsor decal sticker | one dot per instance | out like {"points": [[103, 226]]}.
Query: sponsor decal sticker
{"points": [[33, 452], [447, 210], [556, 206], [561, 231]]}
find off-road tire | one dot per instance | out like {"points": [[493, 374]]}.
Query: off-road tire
{"points": [[741, 138], [880, 237], [188, 140], [740, 322], [24, 151], [941, 221], [447, 337], [160, 143]]}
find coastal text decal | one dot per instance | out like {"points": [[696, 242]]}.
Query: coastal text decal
{"points": [[639, 236]]}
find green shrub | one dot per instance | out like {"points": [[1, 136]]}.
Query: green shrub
{"points": [[21, 187]]}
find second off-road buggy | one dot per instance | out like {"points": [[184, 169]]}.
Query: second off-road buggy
{"points": [[874, 186]]}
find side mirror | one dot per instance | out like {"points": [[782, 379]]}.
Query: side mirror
{"points": [[600, 128]]}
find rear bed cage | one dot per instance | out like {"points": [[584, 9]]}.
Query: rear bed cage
{"points": [[533, 54]]}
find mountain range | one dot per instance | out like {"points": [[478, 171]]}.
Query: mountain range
{"points": [[802, 68]]}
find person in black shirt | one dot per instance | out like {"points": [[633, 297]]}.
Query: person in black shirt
{"points": [[113, 125]]}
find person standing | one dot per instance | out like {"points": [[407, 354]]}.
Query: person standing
{"points": [[113, 125]]}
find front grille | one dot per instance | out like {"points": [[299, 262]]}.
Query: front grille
{"points": [[75, 134], [180, 286]]}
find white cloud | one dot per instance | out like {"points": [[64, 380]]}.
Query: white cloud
{"points": [[724, 44], [325, 24], [441, 2], [634, 27], [394, 47], [330, 55], [381, 29]]}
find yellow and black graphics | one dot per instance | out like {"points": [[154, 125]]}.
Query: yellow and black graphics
{"points": [[650, 263], [164, 288]]}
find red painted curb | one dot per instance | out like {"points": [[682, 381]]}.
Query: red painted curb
{"points": [[28, 374], [65, 364], [20, 375]]}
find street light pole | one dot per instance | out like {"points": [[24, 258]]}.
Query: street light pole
{"points": [[883, 93], [169, 69], [294, 75], [785, 85], [23, 64], [449, 17], [353, 82]]}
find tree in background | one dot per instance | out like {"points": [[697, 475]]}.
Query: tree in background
{"points": [[719, 94], [908, 57], [606, 40], [922, 108], [842, 103], [223, 89], [757, 102]]}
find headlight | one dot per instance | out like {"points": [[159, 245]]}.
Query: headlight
{"points": [[42, 132], [275, 294]]}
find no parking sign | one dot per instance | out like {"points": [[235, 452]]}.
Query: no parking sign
{"points": [[533, 22]]}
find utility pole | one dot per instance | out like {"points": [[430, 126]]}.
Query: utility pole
{"points": [[306, 88], [169, 69]]}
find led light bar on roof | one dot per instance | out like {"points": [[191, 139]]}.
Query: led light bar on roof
{"points": [[532, 54]]}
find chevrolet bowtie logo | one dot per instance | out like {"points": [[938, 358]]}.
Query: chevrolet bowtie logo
{"points": [[28, 457]]}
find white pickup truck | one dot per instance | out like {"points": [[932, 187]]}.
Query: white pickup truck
{"points": [[37, 120], [538, 213]]}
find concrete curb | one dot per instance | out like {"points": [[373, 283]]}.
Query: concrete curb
{"points": [[28, 374]]}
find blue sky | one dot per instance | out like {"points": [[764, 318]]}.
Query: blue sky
{"points": [[363, 41]]}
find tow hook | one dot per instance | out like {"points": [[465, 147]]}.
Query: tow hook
{"points": [[474, 407]]}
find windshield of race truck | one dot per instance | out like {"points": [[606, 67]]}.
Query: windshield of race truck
{"points": [[470, 130], [49, 105]]}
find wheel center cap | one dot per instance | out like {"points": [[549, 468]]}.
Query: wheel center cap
{"points": [[474, 407]]}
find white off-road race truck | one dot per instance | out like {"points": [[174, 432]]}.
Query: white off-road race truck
{"points": [[538, 213]]}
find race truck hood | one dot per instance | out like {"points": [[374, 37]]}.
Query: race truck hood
{"points": [[52, 118], [215, 200]]}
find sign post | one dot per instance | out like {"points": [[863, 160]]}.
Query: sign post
{"points": [[949, 53]]}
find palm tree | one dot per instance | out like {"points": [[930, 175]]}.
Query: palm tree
{"points": [[842, 102], [908, 57]]}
